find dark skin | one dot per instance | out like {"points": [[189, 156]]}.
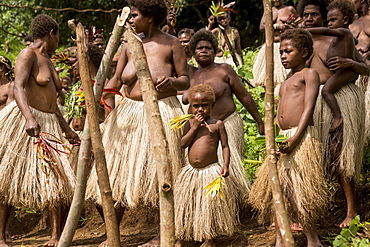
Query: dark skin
{"points": [[6, 87], [280, 14], [184, 39], [37, 85], [313, 18], [224, 82], [167, 64], [224, 20], [297, 98], [342, 45], [203, 143], [360, 29]]}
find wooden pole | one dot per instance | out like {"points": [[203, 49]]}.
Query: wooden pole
{"points": [[110, 218], [85, 149], [157, 136], [280, 210], [229, 45]]}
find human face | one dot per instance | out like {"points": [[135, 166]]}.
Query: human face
{"points": [[312, 16], [66, 82], [278, 3], [138, 21], [358, 5], [289, 55], [204, 53], [184, 39], [99, 43], [224, 20], [201, 104], [336, 19]]}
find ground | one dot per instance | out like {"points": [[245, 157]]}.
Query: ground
{"points": [[31, 229]]}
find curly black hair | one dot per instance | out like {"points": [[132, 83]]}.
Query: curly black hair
{"points": [[42, 24], [95, 54], [321, 3], [203, 34], [346, 7], [8, 66], [187, 31], [301, 39], [153, 8], [202, 88]]}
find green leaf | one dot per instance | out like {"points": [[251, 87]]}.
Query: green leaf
{"points": [[339, 241]]}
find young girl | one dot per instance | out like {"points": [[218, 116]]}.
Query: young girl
{"points": [[199, 217]]}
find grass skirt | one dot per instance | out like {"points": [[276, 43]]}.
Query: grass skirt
{"points": [[235, 134], [352, 105], [259, 67], [23, 182], [130, 161], [302, 180], [199, 217]]}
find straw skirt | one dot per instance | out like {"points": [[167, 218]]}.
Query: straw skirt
{"points": [[24, 181], [351, 137], [130, 160], [302, 180], [199, 217]]}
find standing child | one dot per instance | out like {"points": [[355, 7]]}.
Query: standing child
{"points": [[340, 16], [299, 164], [199, 217]]}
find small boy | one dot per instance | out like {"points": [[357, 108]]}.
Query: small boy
{"points": [[299, 164], [340, 16], [199, 217]]}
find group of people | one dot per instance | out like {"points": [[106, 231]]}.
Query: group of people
{"points": [[323, 134]]}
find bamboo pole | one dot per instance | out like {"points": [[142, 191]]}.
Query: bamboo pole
{"points": [[85, 149], [157, 136], [280, 210]]}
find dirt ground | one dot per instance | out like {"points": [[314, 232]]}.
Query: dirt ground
{"points": [[32, 229]]}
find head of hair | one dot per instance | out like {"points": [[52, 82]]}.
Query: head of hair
{"points": [[203, 34], [7, 64], [28, 38], [97, 36], [300, 38], [95, 54], [42, 25], [186, 30], [321, 3], [202, 88], [346, 7], [157, 9]]}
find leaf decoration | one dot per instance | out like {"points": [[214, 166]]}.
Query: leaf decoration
{"points": [[46, 143], [180, 121], [75, 102], [109, 90], [215, 187], [220, 8], [293, 21]]}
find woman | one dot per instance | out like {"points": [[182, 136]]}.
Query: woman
{"points": [[6, 82], [225, 83], [28, 180]]}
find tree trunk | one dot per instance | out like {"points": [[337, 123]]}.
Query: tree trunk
{"points": [[280, 210], [157, 136], [85, 149], [229, 45]]}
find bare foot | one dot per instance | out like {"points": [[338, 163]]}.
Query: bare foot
{"points": [[3, 244], [347, 221], [179, 243], [335, 124], [155, 242], [314, 243], [104, 244], [296, 227], [208, 243], [8, 237], [53, 242]]}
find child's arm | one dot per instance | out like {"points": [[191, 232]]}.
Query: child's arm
{"points": [[190, 129], [312, 82], [225, 148], [338, 32]]}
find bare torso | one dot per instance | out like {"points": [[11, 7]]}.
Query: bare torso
{"points": [[291, 101], [280, 16], [216, 77], [318, 62], [343, 46], [360, 29], [159, 54], [203, 149], [6, 94]]}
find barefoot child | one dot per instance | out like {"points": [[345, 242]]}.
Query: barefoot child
{"points": [[199, 217], [340, 16], [299, 164]]}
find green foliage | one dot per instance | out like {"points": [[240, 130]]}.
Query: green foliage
{"points": [[351, 236]]}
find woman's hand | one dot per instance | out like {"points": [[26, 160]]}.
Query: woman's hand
{"points": [[164, 83], [72, 137], [32, 127]]}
